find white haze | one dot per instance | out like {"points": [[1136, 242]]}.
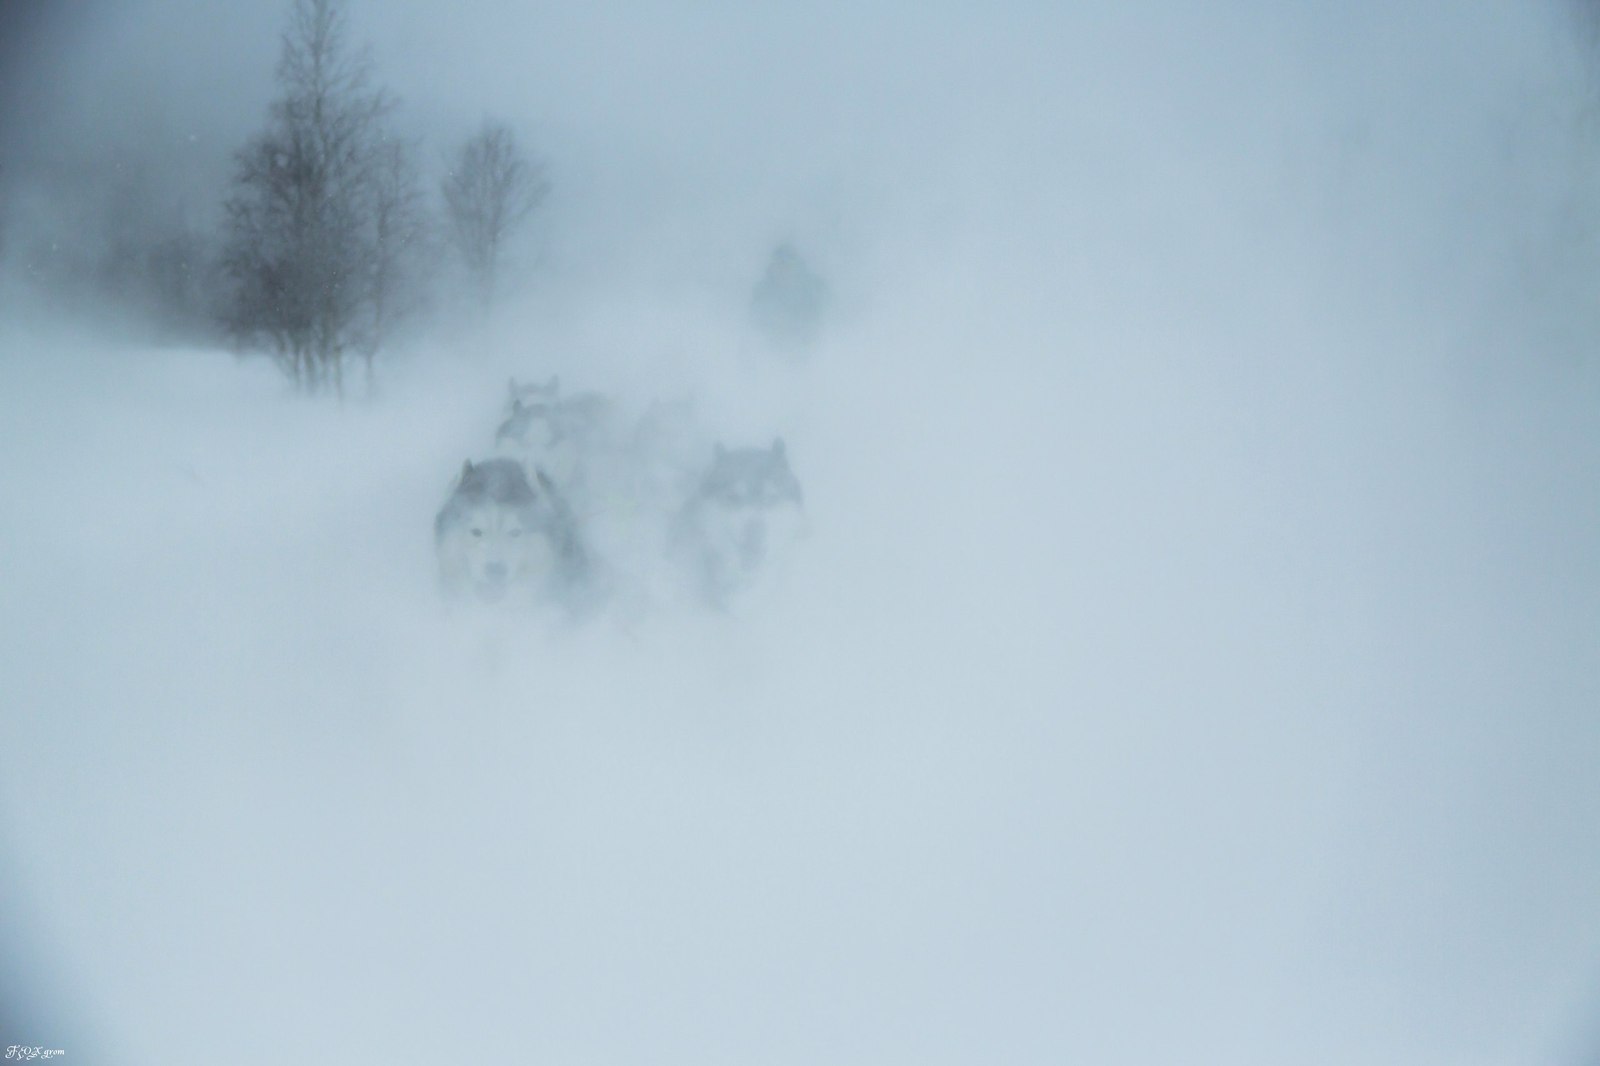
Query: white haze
{"points": [[1195, 657]]}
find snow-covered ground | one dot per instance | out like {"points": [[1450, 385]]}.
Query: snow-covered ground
{"points": [[1194, 658]]}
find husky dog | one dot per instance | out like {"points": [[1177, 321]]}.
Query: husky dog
{"points": [[748, 504], [530, 420], [558, 434], [528, 429], [498, 536], [572, 415]]}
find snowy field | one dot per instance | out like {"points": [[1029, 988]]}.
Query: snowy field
{"points": [[1195, 657]]}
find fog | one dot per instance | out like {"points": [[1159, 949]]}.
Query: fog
{"points": [[1194, 655]]}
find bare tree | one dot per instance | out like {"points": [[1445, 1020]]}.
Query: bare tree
{"points": [[300, 243], [400, 239], [489, 192]]}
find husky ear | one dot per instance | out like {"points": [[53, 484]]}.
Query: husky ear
{"points": [[777, 447], [516, 405], [466, 470]]}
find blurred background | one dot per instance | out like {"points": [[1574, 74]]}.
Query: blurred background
{"points": [[1195, 654]]}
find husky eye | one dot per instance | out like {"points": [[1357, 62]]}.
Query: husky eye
{"points": [[477, 532]]}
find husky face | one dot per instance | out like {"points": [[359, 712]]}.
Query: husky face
{"points": [[533, 434], [497, 533], [751, 479], [529, 425]]}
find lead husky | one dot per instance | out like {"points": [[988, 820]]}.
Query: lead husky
{"points": [[498, 537], [748, 506]]}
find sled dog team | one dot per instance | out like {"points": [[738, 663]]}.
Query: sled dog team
{"points": [[579, 505]]}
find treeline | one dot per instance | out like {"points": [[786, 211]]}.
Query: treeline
{"points": [[327, 241], [324, 240]]}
